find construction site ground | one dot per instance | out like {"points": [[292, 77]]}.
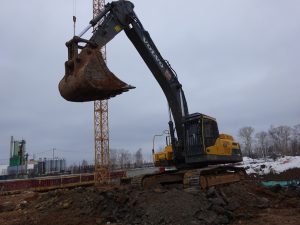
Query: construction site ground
{"points": [[246, 202]]}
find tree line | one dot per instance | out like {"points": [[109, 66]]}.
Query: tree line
{"points": [[119, 159], [124, 159], [276, 141]]}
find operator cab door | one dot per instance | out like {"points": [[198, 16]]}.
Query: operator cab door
{"points": [[210, 132], [193, 138]]}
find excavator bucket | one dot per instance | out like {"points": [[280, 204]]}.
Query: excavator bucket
{"points": [[87, 77]]}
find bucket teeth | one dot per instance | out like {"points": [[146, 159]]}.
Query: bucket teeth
{"points": [[87, 78]]}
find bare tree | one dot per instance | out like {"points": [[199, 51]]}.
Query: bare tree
{"points": [[245, 133], [282, 140], [74, 168], [280, 137], [295, 140], [139, 158], [84, 163], [113, 154], [261, 138], [124, 159]]}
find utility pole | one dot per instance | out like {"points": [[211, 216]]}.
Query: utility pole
{"points": [[101, 129]]}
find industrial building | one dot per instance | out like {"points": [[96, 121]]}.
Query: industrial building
{"points": [[18, 154], [50, 166], [18, 158], [21, 167]]}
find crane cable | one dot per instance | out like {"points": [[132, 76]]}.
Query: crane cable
{"points": [[74, 16]]}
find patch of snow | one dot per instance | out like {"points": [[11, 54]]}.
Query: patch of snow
{"points": [[262, 166]]}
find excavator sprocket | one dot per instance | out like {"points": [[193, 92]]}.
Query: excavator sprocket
{"points": [[87, 78]]}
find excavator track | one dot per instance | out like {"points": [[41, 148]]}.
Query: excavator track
{"points": [[137, 181], [212, 176], [152, 180], [194, 178]]}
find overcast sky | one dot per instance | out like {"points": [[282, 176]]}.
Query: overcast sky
{"points": [[238, 61]]}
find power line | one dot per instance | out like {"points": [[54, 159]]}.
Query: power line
{"points": [[39, 153]]}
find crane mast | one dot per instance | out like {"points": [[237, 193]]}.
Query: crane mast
{"points": [[101, 129]]}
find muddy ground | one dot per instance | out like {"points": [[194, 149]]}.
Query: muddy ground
{"points": [[240, 203]]}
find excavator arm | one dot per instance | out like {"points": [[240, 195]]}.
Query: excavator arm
{"points": [[87, 78]]}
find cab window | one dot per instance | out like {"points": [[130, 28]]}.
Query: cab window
{"points": [[211, 132]]}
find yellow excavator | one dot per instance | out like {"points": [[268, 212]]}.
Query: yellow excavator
{"points": [[195, 147]]}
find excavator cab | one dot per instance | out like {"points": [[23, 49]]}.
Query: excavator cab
{"points": [[203, 145], [87, 77]]}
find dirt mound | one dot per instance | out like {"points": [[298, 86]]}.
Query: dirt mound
{"points": [[239, 203], [290, 174]]}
